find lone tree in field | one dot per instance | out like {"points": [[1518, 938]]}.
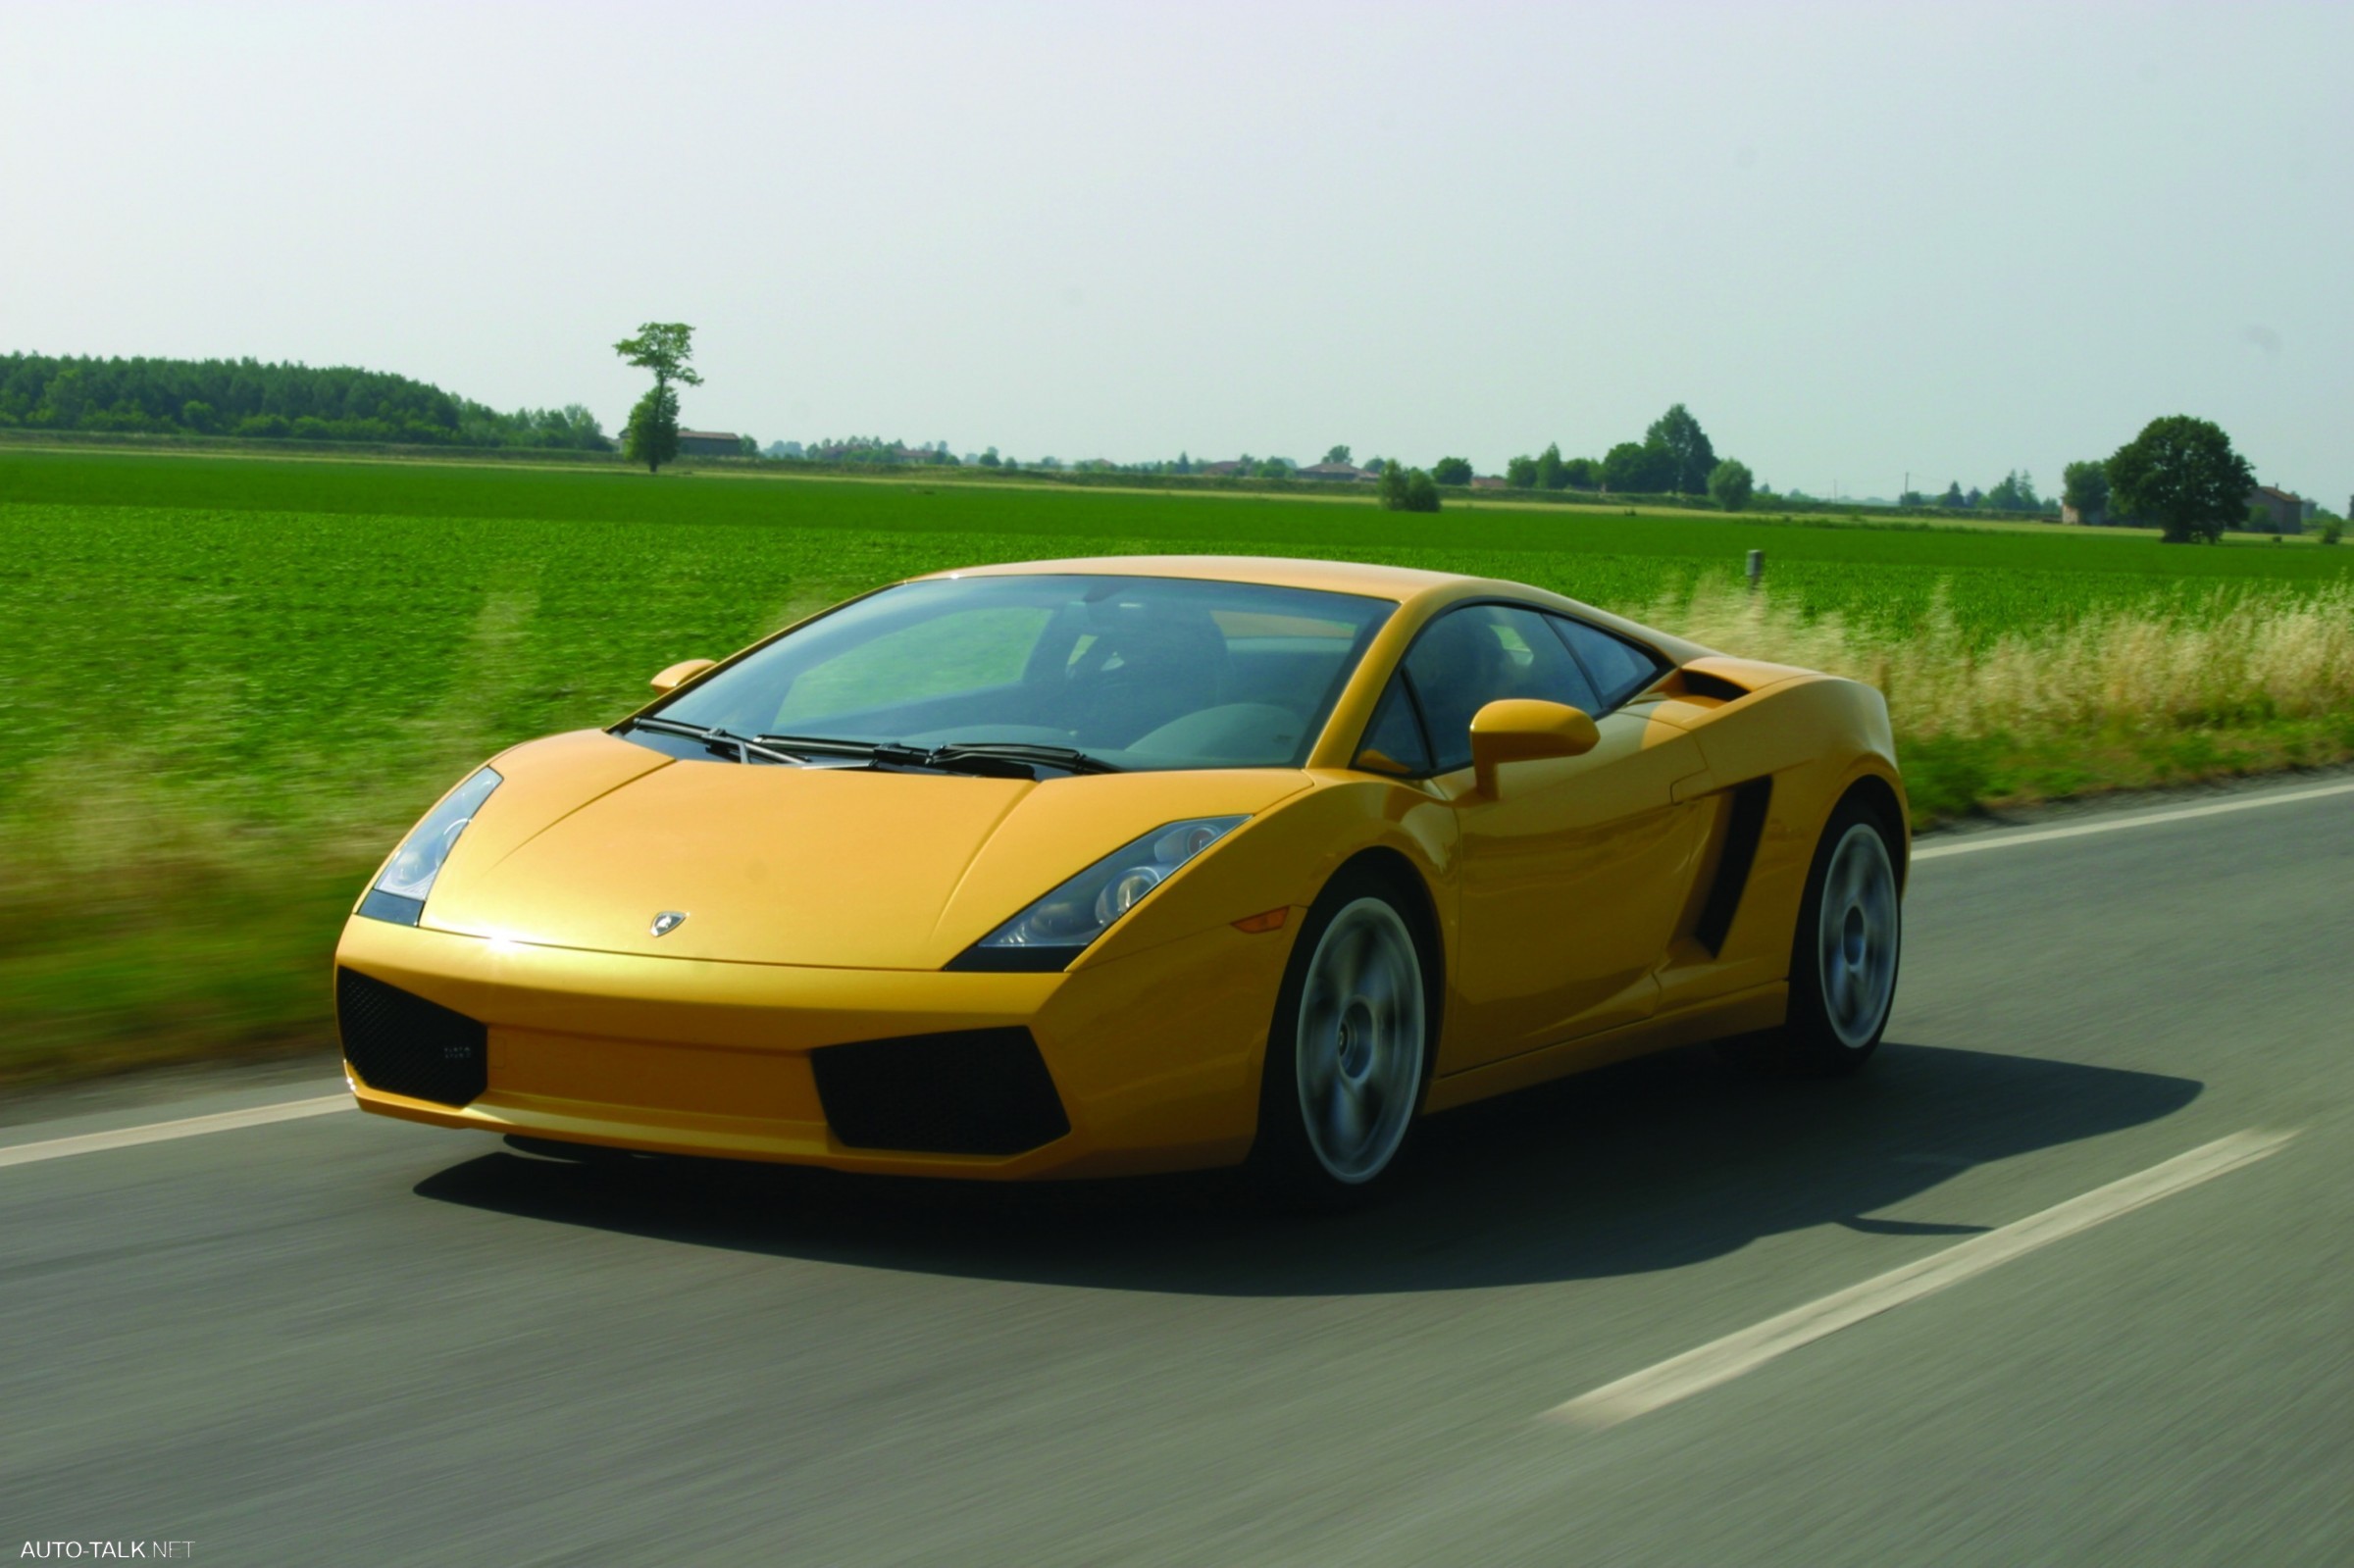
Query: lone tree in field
{"points": [[2181, 474], [1730, 484], [1450, 470], [663, 347]]}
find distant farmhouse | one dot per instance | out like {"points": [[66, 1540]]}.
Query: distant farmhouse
{"points": [[709, 443], [1337, 471], [2285, 512]]}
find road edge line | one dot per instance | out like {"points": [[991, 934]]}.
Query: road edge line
{"points": [[56, 1148], [1971, 844]]}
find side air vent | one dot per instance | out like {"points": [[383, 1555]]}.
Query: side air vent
{"points": [[1701, 683], [971, 1091], [1745, 825], [403, 1045]]}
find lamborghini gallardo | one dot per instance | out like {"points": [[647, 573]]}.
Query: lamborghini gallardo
{"points": [[1096, 867]]}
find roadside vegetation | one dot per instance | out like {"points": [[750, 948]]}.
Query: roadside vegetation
{"points": [[230, 685]]}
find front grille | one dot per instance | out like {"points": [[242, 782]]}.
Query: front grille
{"points": [[403, 1045], [971, 1091]]}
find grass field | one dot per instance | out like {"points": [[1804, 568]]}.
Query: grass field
{"points": [[229, 684]]}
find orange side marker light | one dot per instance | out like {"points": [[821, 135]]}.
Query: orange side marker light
{"points": [[1272, 920]]}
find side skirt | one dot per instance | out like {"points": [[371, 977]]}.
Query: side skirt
{"points": [[1721, 1018]]}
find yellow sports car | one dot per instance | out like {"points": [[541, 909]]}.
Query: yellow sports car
{"points": [[1135, 864]]}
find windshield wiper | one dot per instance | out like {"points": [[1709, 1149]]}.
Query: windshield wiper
{"points": [[718, 740], [1068, 758], [820, 746]]}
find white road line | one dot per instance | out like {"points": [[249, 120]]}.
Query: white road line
{"points": [[56, 1148], [2008, 840], [1727, 1358]]}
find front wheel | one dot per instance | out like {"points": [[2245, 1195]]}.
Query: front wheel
{"points": [[1843, 961], [1347, 1054]]}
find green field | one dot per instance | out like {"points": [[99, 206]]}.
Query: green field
{"points": [[229, 684]]}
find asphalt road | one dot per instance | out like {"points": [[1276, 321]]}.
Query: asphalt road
{"points": [[341, 1339]]}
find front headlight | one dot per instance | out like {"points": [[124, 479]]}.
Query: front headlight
{"points": [[1058, 927], [400, 889]]}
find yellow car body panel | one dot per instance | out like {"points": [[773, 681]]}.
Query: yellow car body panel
{"points": [[826, 906]]}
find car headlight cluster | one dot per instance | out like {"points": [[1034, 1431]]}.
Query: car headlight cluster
{"points": [[1058, 927], [399, 891]]}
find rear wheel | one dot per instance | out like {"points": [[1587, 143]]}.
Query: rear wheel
{"points": [[1348, 1053], [1843, 960]]}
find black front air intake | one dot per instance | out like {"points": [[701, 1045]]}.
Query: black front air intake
{"points": [[972, 1092], [403, 1045]]}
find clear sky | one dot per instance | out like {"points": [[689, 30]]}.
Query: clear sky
{"points": [[1857, 239]]}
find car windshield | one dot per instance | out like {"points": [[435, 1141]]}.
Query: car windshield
{"points": [[1133, 672]]}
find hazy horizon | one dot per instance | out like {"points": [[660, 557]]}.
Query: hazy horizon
{"points": [[1857, 240]]}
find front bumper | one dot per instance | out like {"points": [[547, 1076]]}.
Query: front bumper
{"points": [[1154, 1057]]}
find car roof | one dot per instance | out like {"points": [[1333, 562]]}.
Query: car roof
{"points": [[1399, 583], [1404, 584]]}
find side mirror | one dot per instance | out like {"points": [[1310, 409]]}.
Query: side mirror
{"points": [[1524, 729], [678, 675]]}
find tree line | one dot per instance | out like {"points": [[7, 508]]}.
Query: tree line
{"points": [[249, 398], [1675, 457]]}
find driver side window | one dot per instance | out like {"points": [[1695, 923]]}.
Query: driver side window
{"points": [[1481, 653]]}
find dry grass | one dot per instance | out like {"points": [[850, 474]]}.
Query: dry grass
{"points": [[2238, 661]]}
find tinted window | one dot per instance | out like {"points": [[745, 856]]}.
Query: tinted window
{"points": [[1147, 672], [1481, 653], [1619, 668], [1395, 733]]}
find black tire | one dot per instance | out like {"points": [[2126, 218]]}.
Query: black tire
{"points": [[1369, 1048], [1842, 974]]}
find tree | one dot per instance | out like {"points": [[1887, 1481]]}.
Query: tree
{"points": [[1691, 457], [1633, 468], [2182, 475], [990, 457], [2014, 493], [1336, 454], [1404, 490], [1730, 484], [663, 347], [651, 437], [1952, 500], [1582, 473], [1450, 470], [1522, 472], [2084, 488], [1550, 475]]}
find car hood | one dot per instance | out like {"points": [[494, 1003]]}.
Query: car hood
{"points": [[590, 838]]}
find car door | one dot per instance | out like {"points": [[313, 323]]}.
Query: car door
{"points": [[1574, 875]]}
